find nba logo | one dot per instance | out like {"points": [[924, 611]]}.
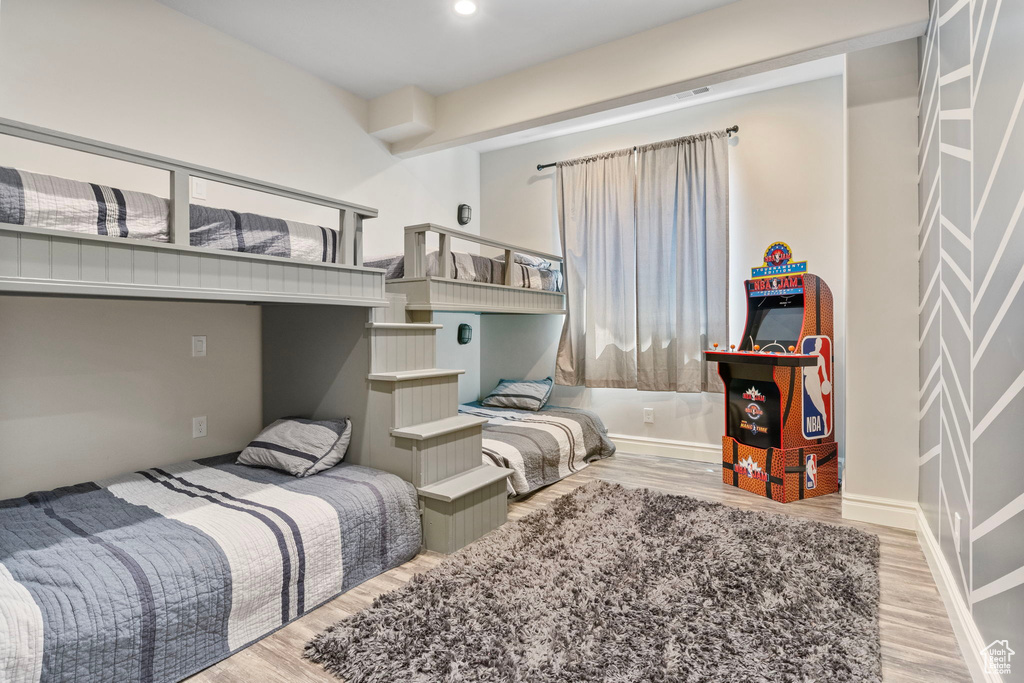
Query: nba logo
{"points": [[811, 471], [817, 388]]}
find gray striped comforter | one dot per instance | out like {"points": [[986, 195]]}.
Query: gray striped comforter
{"points": [[540, 447], [44, 201], [154, 575], [476, 268]]}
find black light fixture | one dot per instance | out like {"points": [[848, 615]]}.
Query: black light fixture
{"points": [[465, 333], [465, 214]]}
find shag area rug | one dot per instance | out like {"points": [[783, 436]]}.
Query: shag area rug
{"points": [[613, 584]]}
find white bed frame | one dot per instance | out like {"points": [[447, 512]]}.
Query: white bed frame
{"points": [[442, 292], [64, 263]]}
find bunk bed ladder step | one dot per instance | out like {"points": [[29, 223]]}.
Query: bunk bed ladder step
{"points": [[419, 434], [461, 509]]}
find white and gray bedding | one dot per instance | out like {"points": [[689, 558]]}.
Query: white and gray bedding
{"points": [[155, 575], [476, 268], [44, 201], [540, 447]]}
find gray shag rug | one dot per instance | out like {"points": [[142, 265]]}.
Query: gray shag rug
{"points": [[614, 584]]}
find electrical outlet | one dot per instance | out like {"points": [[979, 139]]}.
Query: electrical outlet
{"points": [[199, 346], [198, 188], [956, 531], [648, 416], [199, 427]]}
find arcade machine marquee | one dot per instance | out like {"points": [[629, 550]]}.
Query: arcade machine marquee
{"points": [[779, 440]]}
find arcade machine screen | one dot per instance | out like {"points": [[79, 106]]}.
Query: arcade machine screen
{"points": [[775, 320]]}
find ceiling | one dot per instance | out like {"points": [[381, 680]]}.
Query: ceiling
{"points": [[372, 47], [777, 78]]}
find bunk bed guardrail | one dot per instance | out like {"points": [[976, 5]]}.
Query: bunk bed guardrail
{"points": [[441, 291], [47, 261], [350, 223], [416, 250]]}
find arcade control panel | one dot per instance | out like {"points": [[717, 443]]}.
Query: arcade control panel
{"points": [[788, 359]]}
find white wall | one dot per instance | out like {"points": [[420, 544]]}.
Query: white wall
{"points": [[135, 73], [882, 271], [786, 183]]}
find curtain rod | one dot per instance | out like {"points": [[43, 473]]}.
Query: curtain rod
{"points": [[729, 131]]}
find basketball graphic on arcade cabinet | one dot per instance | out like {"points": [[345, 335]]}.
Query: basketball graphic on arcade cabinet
{"points": [[817, 388]]}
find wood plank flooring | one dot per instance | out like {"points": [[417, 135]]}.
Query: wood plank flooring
{"points": [[917, 640]]}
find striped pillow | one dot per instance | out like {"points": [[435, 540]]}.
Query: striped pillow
{"points": [[300, 447], [520, 394]]}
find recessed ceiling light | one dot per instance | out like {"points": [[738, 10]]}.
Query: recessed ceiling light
{"points": [[465, 7]]}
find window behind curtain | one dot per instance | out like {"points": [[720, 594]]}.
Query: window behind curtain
{"points": [[645, 234]]}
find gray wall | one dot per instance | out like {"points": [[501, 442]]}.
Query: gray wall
{"points": [[94, 388], [972, 308]]}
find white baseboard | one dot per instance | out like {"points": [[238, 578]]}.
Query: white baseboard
{"points": [[885, 511], [668, 448], [964, 628]]}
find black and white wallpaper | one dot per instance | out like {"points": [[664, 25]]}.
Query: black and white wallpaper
{"points": [[971, 305]]}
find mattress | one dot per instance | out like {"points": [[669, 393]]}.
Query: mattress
{"points": [[44, 201], [527, 272], [155, 575], [540, 447]]}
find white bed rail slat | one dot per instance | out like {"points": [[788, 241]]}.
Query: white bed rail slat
{"points": [[42, 261]]}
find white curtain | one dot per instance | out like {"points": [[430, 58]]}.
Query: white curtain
{"points": [[645, 235], [682, 237], [597, 218]]}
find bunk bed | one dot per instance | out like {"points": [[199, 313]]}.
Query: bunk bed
{"points": [[157, 574], [434, 282], [42, 256]]}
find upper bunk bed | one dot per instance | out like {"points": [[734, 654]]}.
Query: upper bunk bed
{"points": [[142, 246], [448, 280]]}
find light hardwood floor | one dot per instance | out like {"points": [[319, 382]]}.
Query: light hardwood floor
{"points": [[917, 639]]}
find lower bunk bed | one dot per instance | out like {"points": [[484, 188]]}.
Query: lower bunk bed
{"points": [[155, 575], [540, 447]]}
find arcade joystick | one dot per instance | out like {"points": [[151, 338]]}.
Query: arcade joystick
{"points": [[715, 345], [792, 348], [757, 347], [732, 347]]}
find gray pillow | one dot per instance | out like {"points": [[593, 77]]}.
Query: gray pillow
{"points": [[520, 394], [299, 447], [527, 260]]}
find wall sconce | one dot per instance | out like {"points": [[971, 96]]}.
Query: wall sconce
{"points": [[465, 333], [465, 214]]}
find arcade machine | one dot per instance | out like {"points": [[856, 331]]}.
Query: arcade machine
{"points": [[779, 440]]}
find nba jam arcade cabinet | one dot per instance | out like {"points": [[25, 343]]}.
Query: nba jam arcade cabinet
{"points": [[779, 440]]}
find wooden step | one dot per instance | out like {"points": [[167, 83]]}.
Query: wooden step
{"points": [[404, 326], [429, 430], [465, 483], [411, 375]]}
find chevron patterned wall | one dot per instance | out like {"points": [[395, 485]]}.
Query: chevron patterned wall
{"points": [[971, 245]]}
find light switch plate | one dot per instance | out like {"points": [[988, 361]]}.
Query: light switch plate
{"points": [[198, 188], [649, 416], [199, 346], [199, 427]]}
